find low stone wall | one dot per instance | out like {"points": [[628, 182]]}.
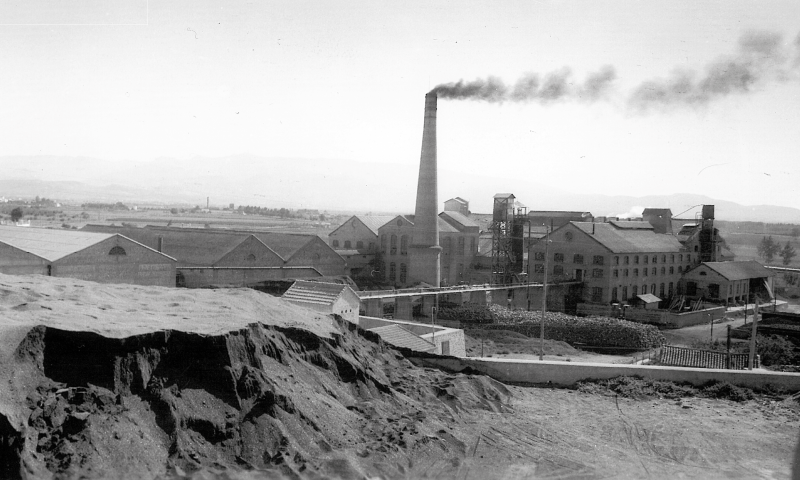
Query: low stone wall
{"points": [[568, 374], [655, 317]]}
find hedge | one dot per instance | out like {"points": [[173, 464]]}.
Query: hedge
{"points": [[590, 331]]}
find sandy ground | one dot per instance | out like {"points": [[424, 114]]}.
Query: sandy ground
{"points": [[353, 408]]}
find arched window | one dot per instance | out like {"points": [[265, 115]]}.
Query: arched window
{"points": [[117, 251], [614, 294], [251, 257], [403, 273], [404, 245], [393, 244], [392, 272], [661, 291], [335, 243], [653, 289], [644, 289], [359, 244], [383, 243], [461, 245], [347, 244]]}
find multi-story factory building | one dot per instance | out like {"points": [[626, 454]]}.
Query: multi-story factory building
{"points": [[616, 261]]}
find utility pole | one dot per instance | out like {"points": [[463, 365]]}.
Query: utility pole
{"points": [[752, 355], [712, 326], [544, 293], [528, 268]]}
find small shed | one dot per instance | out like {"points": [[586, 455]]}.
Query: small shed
{"points": [[327, 298], [648, 301]]}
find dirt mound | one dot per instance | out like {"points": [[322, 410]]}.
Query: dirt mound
{"points": [[278, 401]]}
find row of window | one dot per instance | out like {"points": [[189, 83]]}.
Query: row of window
{"points": [[598, 272], [653, 271], [447, 245], [664, 291], [348, 244], [599, 259], [393, 272]]}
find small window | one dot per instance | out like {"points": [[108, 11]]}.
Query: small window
{"points": [[636, 259], [539, 256], [347, 244], [671, 270], [680, 257], [661, 290], [117, 251], [538, 268], [597, 273], [634, 291], [614, 294], [635, 272], [663, 259], [616, 260], [644, 272], [598, 260], [359, 244], [654, 271], [558, 270], [558, 257], [336, 243], [696, 248], [655, 258], [646, 259], [703, 274], [597, 294], [653, 289], [251, 257], [644, 289], [577, 258], [663, 270], [627, 260], [615, 273], [672, 258], [624, 293], [625, 273], [680, 269]]}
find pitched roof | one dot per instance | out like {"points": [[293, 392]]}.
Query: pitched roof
{"points": [[459, 218], [191, 247], [314, 292], [648, 298], [374, 222], [662, 212], [203, 247], [620, 239], [49, 244], [400, 337], [445, 227], [739, 270], [632, 224]]}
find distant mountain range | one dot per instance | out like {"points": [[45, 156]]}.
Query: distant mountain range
{"points": [[324, 184]]}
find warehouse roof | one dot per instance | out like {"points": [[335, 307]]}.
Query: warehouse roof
{"points": [[374, 222], [400, 337], [737, 270], [459, 219], [619, 237], [204, 247], [314, 292], [53, 244], [49, 244]]}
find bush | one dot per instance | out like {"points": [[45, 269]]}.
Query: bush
{"points": [[727, 391], [590, 331], [775, 350], [467, 313]]}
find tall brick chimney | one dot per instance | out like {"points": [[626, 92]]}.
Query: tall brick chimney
{"points": [[425, 249]]}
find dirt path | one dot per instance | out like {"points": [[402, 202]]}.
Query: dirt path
{"points": [[563, 434]]}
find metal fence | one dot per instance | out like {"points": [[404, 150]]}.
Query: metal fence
{"points": [[695, 357]]}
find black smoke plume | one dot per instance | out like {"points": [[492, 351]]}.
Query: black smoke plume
{"points": [[532, 87], [762, 58]]}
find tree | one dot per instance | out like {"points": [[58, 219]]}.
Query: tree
{"points": [[796, 232], [767, 249], [788, 253], [16, 214]]}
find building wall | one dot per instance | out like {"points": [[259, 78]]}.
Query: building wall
{"points": [[353, 234], [203, 277], [14, 261], [703, 278], [611, 273], [396, 253], [323, 258], [251, 252], [456, 263], [139, 265]]}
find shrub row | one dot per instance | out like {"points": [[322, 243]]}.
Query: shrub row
{"points": [[590, 331]]}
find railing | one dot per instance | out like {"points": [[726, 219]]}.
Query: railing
{"points": [[694, 357]]}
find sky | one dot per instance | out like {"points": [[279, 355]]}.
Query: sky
{"points": [[618, 97]]}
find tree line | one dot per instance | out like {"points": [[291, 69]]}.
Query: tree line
{"points": [[768, 249]]}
